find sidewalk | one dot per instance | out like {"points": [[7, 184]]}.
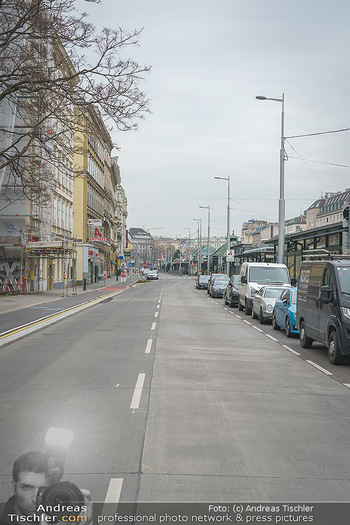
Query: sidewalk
{"points": [[9, 303]]}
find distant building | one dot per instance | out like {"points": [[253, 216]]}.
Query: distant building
{"points": [[141, 246], [312, 212], [332, 209], [295, 225]]}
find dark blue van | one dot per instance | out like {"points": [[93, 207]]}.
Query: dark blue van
{"points": [[323, 306]]}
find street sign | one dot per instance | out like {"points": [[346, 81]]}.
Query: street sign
{"points": [[230, 255], [95, 222]]}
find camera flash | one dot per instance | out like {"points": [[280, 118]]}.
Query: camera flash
{"points": [[58, 439]]}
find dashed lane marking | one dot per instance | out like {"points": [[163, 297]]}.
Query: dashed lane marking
{"points": [[272, 338], [319, 367], [290, 349], [148, 346], [136, 398], [153, 327], [113, 494]]}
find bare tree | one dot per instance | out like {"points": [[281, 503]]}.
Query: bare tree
{"points": [[53, 66]]}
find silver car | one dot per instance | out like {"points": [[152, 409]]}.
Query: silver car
{"points": [[264, 301]]}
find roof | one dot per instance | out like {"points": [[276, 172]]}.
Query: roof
{"points": [[296, 220], [139, 234], [204, 251], [335, 202], [317, 204]]}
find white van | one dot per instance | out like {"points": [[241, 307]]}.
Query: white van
{"points": [[253, 276]]}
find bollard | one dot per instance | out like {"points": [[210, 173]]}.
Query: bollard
{"points": [[84, 284]]}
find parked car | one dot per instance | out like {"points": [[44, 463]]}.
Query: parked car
{"points": [[264, 301], [213, 275], [231, 292], [202, 281], [284, 312], [323, 306], [255, 275], [152, 275], [218, 286]]}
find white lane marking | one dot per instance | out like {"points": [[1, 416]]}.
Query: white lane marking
{"points": [[290, 350], [238, 316], [347, 385], [244, 321], [156, 314], [258, 329], [135, 402], [272, 338], [158, 306], [148, 346], [153, 327], [319, 368], [113, 492]]}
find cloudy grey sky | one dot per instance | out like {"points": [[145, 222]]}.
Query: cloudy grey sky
{"points": [[209, 61]]}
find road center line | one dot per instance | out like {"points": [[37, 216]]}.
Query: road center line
{"points": [[135, 402], [153, 327], [148, 346], [319, 368], [290, 349]]}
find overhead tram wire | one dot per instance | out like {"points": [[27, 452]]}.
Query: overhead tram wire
{"points": [[306, 164], [317, 133]]}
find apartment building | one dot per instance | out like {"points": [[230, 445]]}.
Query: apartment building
{"points": [[94, 197]]}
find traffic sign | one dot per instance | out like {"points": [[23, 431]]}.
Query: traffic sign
{"points": [[230, 255]]}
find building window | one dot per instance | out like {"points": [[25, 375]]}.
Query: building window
{"points": [[54, 212]]}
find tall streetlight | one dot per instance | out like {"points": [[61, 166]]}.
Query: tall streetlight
{"points": [[228, 222], [208, 252], [281, 202], [199, 258], [189, 249], [180, 267]]}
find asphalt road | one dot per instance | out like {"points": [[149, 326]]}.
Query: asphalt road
{"points": [[173, 397]]}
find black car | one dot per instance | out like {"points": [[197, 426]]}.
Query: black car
{"points": [[202, 281], [231, 293], [218, 286], [213, 275], [323, 306]]}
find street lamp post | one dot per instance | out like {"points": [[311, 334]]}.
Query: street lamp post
{"points": [[189, 250], [199, 258], [281, 202], [228, 222], [208, 252]]}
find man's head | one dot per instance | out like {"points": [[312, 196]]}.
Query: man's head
{"points": [[29, 475]]}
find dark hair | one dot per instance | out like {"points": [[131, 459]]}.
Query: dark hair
{"points": [[30, 462]]}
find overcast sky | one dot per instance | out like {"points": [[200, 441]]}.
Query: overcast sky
{"points": [[209, 61]]}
